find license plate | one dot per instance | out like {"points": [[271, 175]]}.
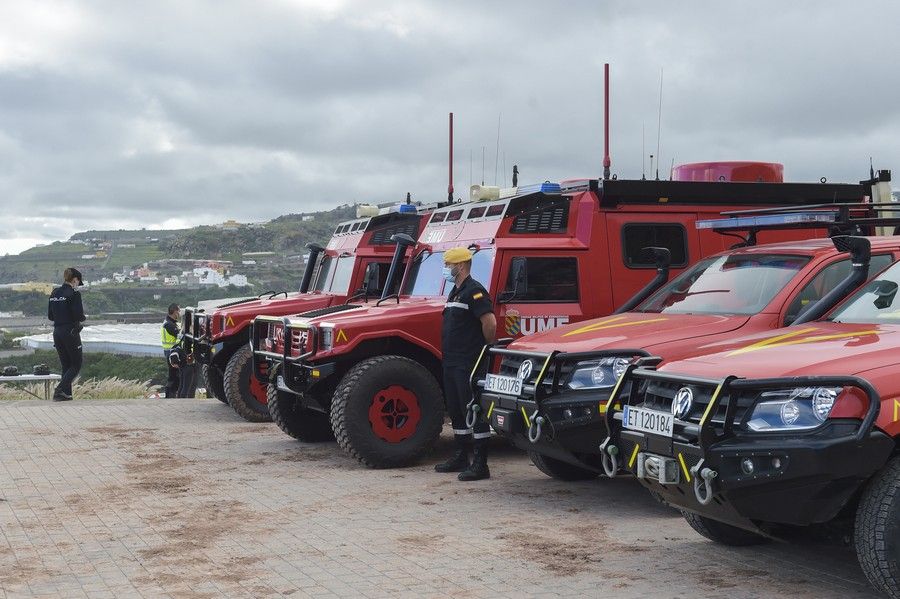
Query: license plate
{"points": [[507, 385], [647, 421]]}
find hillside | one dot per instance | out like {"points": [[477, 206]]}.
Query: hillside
{"points": [[101, 254]]}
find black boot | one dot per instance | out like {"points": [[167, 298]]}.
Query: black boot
{"points": [[459, 461], [479, 469]]}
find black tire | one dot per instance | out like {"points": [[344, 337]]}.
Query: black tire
{"points": [[355, 396], [214, 382], [560, 470], [720, 532], [877, 531], [300, 423], [239, 383]]}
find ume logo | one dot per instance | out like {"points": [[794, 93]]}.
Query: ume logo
{"points": [[529, 325]]}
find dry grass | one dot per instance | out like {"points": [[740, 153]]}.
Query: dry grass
{"points": [[108, 388]]}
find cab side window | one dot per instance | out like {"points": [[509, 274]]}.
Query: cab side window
{"points": [[541, 280], [826, 280], [636, 237]]}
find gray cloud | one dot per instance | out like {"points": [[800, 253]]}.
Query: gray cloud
{"points": [[117, 115]]}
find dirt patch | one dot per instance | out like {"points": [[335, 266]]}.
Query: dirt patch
{"points": [[421, 541], [566, 551]]}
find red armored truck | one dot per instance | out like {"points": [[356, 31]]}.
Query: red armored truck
{"points": [[355, 263]]}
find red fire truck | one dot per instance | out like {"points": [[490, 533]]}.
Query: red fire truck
{"points": [[355, 263], [548, 254]]}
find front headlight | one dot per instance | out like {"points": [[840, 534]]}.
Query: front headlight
{"points": [[597, 374], [327, 338], [800, 408]]}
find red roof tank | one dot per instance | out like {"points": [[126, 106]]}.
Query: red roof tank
{"points": [[736, 170]]}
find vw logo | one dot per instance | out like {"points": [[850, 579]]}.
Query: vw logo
{"points": [[525, 370], [681, 405]]}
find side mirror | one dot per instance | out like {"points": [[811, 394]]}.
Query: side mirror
{"points": [[885, 292], [518, 275]]}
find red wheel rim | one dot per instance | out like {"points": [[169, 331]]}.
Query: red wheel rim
{"points": [[258, 389], [394, 414]]}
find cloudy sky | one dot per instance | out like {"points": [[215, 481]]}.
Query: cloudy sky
{"points": [[166, 114]]}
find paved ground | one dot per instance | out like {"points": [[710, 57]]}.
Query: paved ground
{"points": [[180, 498]]}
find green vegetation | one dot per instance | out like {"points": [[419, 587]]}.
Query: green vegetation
{"points": [[98, 366]]}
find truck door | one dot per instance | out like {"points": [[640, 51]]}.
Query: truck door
{"points": [[537, 291], [630, 232]]}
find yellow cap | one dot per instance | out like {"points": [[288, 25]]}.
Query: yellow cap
{"points": [[457, 255]]}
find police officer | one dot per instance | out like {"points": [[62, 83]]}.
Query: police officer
{"points": [[468, 324], [67, 313], [169, 339]]}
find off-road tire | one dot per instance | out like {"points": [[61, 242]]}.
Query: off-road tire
{"points": [[354, 397], [300, 423], [560, 470], [722, 533], [238, 374], [876, 534], [215, 383]]}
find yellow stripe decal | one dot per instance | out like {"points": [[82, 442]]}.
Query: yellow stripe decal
{"points": [[490, 409], [611, 323], [527, 420], [791, 339], [543, 369], [684, 468], [633, 456], [712, 402]]}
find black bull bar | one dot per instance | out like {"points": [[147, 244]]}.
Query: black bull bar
{"points": [[273, 361], [551, 366], [726, 393]]}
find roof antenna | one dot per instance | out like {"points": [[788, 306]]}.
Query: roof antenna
{"points": [[659, 122], [606, 160], [497, 154], [408, 198], [470, 168], [482, 166], [871, 169], [515, 175], [643, 151], [672, 170], [450, 185]]}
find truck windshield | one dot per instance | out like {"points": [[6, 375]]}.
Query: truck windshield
{"points": [[875, 302], [326, 267], [742, 284], [425, 273], [343, 271]]}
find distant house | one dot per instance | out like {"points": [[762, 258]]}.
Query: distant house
{"points": [[308, 217], [87, 256], [230, 225]]}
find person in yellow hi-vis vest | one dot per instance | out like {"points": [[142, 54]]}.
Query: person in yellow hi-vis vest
{"points": [[169, 339]]}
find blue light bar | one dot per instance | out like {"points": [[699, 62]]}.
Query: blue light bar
{"points": [[545, 187], [771, 220]]}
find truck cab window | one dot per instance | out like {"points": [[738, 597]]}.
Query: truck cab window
{"points": [[636, 237], [542, 280]]}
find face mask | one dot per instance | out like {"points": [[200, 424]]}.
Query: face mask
{"points": [[448, 274]]}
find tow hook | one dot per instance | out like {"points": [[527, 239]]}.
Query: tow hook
{"points": [[534, 431], [703, 483], [609, 458], [472, 411]]}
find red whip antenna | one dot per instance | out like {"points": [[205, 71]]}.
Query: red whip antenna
{"points": [[606, 161], [450, 185]]}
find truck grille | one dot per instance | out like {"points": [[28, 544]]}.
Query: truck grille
{"points": [[509, 366], [658, 395]]}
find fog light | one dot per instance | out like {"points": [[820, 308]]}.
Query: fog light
{"points": [[587, 411], [776, 463], [747, 466], [567, 413]]}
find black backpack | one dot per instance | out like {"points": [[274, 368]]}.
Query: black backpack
{"points": [[40, 369], [10, 371]]}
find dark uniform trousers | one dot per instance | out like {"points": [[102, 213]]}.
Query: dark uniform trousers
{"points": [[458, 394], [173, 381], [462, 339], [67, 342]]}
